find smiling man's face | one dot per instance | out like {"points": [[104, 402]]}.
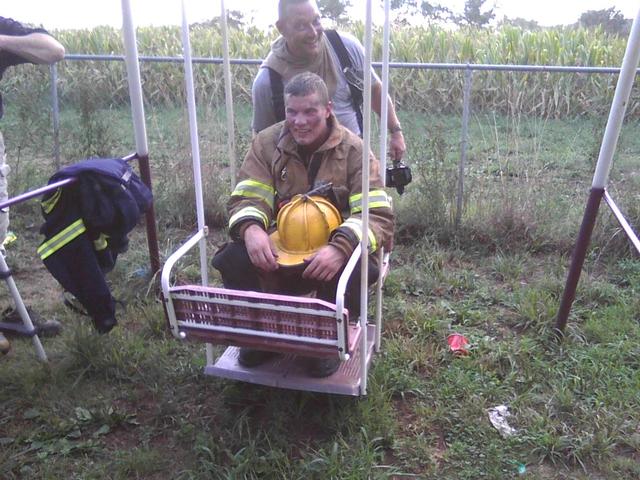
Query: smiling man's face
{"points": [[302, 29], [307, 119]]}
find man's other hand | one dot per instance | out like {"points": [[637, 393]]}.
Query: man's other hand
{"points": [[260, 248], [324, 265], [397, 146]]}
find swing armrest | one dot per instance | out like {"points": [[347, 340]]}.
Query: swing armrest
{"points": [[344, 278], [348, 271], [166, 276]]}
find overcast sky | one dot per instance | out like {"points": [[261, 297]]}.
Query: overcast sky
{"points": [[90, 13]]}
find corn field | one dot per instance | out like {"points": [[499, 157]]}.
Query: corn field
{"points": [[553, 95]]}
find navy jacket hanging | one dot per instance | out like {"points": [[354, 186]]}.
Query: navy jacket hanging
{"points": [[86, 227]]}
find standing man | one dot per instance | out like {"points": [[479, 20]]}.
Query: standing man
{"points": [[20, 44], [309, 151], [338, 58]]}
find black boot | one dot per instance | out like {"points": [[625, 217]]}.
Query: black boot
{"points": [[322, 367], [250, 357]]}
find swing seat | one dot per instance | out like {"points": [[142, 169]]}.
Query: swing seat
{"points": [[289, 371], [263, 321], [293, 326]]}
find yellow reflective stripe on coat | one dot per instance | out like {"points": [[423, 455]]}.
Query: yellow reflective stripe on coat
{"points": [[355, 225], [61, 238], [249, 212], [377, 199], [255, 189], [50, 203]]}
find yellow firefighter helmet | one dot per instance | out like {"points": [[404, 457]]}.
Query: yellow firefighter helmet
{"points": [[304, 225]]}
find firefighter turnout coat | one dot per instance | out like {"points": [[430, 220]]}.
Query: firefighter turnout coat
{"points": [[86, 227], [273, 172]]}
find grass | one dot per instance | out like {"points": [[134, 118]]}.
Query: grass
{"points": [[135, 404]]}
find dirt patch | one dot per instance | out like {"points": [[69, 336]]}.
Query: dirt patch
{"points": [[38, 289], [143, 411]]}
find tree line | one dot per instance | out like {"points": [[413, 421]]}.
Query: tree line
{"points": [[475, 13]]}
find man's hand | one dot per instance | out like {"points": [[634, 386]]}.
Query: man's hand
{"points": [[324, 265], [397, 146], [260, 248]]}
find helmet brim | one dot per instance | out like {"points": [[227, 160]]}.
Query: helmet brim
{"points": [[285, 258]]}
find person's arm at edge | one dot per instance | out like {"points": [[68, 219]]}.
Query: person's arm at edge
{"points": [[397, 145], [35, 47]]}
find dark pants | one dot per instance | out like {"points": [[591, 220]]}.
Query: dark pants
{"points": [[238, 273]]}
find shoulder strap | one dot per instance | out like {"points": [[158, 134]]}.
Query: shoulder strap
{"points": [[277, 94], [346, 64], [340, 49]]}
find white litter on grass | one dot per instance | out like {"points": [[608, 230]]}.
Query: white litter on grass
{"points": [[498, 417]]}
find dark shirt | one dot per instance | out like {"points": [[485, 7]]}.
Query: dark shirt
{"points": [[9, 26]]}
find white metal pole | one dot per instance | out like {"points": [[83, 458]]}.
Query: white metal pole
{"points": [[228, 94], [364, 242], [22, 311], [378, 337], [193, 130], [384, 109], [139, 126], [619, 106], [133, 76], [195, 153]]}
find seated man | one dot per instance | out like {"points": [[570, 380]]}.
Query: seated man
{"points": [[308, 153]]}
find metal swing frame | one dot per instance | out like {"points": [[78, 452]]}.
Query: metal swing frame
{"points": [[295, 326], [600, 179]]}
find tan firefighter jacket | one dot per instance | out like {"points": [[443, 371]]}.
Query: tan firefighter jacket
{"points": [[273, 172]]}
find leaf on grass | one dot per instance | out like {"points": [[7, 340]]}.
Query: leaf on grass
{"points": [[74, 434], [65, 448], [31, 413], [103, 430], [35, 445], [132, 420], [83, 414]]}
